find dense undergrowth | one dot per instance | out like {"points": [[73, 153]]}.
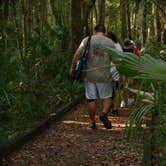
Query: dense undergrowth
{"points": [[149, 69], [34, 83]]}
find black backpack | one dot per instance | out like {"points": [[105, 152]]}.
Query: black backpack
{"points": [[82, 62]]}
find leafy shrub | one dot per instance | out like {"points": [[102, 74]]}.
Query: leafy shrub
{"points": [[36, 84]]}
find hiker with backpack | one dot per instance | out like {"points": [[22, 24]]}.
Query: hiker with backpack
{"points": [[97, 79]]}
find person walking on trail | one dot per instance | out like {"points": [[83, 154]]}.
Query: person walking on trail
{"points": [[113, 37], [98, 79], [115, 76], [129, 46]]}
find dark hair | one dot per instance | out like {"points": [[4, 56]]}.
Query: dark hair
{"points": [[100, 28], [127, 42], [112, 36]]}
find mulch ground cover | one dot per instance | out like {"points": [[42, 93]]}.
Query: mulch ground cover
{"points": [[70, 142]]}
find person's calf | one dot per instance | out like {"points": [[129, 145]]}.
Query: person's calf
{"points": [[92, 110]]}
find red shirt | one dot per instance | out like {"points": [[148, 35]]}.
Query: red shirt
{"points": [[136, 51]]}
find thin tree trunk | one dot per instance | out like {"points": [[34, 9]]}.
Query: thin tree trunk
{"points": [[164, 35], [128, 18], [95, 13], [1, 11], [152, 30], [6, 10], [88, 9], [57, 12], [23, 25], [101, 14], [29, 16], [144, 24], [51, 12], [91, 22], [140, 20], [124, 33], [76, 23], [158, 25]]}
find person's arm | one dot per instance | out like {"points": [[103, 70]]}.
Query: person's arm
{"points": [[76, 56], [73, 64]]}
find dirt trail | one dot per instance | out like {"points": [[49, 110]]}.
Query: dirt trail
{"points": [[71, 143]]}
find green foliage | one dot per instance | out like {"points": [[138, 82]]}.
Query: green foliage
{"points": [[151, 99], [36, 85], [155, 48], [112, 16]]}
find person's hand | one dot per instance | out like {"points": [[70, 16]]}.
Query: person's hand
{"points": [[73, 66], [71, 72]]}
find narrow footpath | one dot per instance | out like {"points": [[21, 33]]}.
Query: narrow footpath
{"points": [[70, 142]]}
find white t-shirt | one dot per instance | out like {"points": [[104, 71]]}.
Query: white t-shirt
{"points": [[118, 47], [114, 72]]}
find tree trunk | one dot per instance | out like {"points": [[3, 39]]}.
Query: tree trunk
{"points": [[87, 9], [75, 23], [164, 31], [158, 25], [51, 12], [1, 11], [95, 12], [144, 24], [128, 18], [45, 25], [23, 26], [101, 13], [164, 35], [6, 10], [91, 22], [29, 16], [124, 33], [57, 12], [152, 31]]}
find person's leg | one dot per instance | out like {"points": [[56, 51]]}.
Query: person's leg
{"points": [[115, 106], [92, 109], [91, 96], [92, 113], [115, 98], [105, 93], [103, 116], [106, 105]]}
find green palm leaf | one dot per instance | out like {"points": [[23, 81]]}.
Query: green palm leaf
{"points": [[146, 96], [145, 66], [137, 116]]}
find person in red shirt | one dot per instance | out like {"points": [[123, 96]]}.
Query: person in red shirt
{"points": [[129, 46], [135, 49]]}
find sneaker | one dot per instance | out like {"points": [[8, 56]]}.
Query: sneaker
{"points": [[107, 124], [92, 125], [115, 112]]}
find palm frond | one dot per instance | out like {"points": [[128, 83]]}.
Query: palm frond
{"points": [[149, 97], [137, 116], [144, 67]]}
